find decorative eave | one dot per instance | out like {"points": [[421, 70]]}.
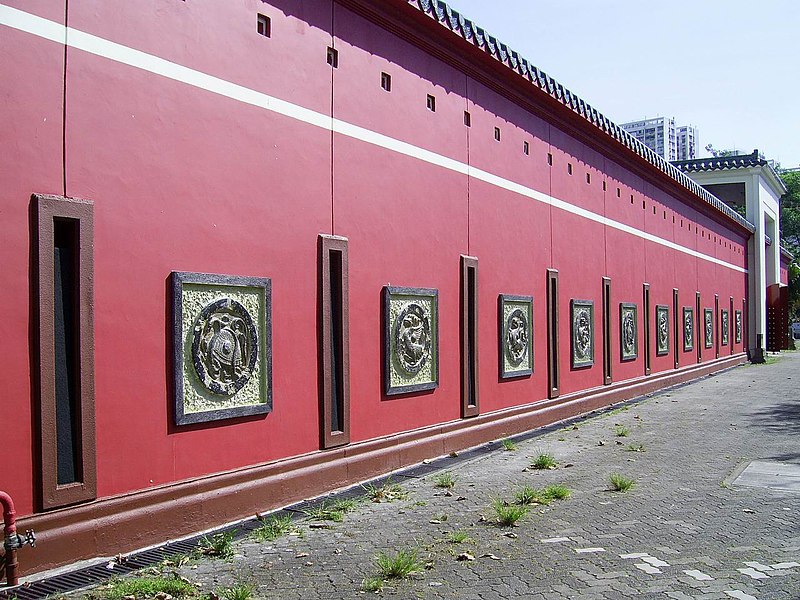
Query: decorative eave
{"points": [[738, 161], [476, 36], [786, 254]]}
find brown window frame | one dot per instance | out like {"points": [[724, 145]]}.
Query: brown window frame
{"points": [[334, 346], [553, 366], [49, 209], [607, 354], [647, 338], [678, 325], [700, 323], [470, 384]]}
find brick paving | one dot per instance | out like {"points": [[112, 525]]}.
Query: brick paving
{"points": [[685, 530]]}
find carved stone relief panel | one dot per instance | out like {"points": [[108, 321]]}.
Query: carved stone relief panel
{"points": [[708, 331], [515, 329], [411, 339], [222, 356], [738, 326], [662, 329], [628, 331], [724, 328], [582, 321], [688, 329]]}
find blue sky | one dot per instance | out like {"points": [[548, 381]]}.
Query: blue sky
{"points": [[729, 67]]}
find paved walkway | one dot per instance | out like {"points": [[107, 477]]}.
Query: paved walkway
{"points": [[685, 530]]}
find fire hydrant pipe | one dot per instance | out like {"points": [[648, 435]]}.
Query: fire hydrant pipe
{"points": [[9, 533]]}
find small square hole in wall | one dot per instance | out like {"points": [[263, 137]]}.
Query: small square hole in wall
{"points": [[631, 198], [497, 134], [526, 148], [264, 26], [569, 168], [605, 187], [654, 210], [431, 103], [386, 82], [549, 159], [333, 57], [588, 178], [467, 119], [619, 193]]}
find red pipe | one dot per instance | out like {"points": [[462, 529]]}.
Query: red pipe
{"points": [[9, 534]]}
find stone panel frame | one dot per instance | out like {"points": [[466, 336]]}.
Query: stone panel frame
{"points": [[430, 379], [470, 363], [724, 327], [708, 327], [625, 309], [737, 323], [576, 307], [662, 342], [688, 327], [221, 286], [512, 303]]}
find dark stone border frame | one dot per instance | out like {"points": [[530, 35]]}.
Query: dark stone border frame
{"points": [[388, 292], [665, 351], [738, 325], [501, 334], [470, 359], [635, 355], [706, 312], [690, 346], [178, 280], [573, 303], [724, 328]]}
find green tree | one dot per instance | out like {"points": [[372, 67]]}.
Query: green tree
{"points": [[790, 237]]}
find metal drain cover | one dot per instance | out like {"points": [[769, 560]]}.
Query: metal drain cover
{"points": [[770, 474]]}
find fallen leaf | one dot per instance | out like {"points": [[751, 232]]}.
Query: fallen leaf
{"points": [[510, 534], [319, 526], [301, 555], [568, 465], [465, 556], [490, 555], [453, 454], [749, 511], [435, 522], [460, 498], [601, 443]]}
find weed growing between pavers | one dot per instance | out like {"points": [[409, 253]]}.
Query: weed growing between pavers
{"points": [[274, 527], [544, 461], [621, 431], [372, 584], [242, 591], [508, 445], [507, 515], [444, 480], [399, 565], [458, 537], [620, 483], [556, 492], [527, 495], [219, 545], [386, 492], [330, 511], [634, 448], [147, 587]]}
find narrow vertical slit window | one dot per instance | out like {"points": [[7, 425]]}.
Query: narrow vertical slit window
{"points": [[607, 355], [569, 168], [386, 82], [65, 326], [333, 57], [526, 148], [549, 159], [431, 103], [335, 346], [470, 398], [699, 321], [716, 326], [467, 119], [264, 25], [605, 186], [553, 371], [647, 336], [588, 178], [732, 326], [678, 328], [497, 134]]}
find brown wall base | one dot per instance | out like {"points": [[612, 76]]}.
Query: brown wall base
{"points": [[124, 523]]}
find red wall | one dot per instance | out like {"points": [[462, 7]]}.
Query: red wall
{"points": [[186, 180]]}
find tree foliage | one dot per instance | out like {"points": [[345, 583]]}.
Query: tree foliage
{"points": [[790, 237]]}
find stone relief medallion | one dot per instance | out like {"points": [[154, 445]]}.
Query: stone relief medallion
{"points": [[708, 315], [582, 319], [688, 329], [628, 334], [222, 356], [724, 328], [662, 329], [516, 335], [737, 324], [411, 339]]}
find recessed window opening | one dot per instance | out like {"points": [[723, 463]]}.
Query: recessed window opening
{"points": [[619, 193], [526, 148], [588, 178], [431, 103], [386, 82], [333, 57], [654, 210], [665, 215], [569, 168], [604, 186], [264, 25], [467, 119], [549, 159], [497, 134]]}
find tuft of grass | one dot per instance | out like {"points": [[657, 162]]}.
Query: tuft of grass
{"points": [[274, 527], [544, 461], [458, 537], [526, 495], [444, 480], [219, 545], [242, 591], [508, 445], [398, 566], [372, 584], [385, 492], [141, 587], [556, 492], [621, 431], [507, 514], [620, 483], [634, 448], [330, 511]]}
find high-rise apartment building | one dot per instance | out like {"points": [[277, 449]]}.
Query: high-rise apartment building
{"points": [[662, 136]]}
